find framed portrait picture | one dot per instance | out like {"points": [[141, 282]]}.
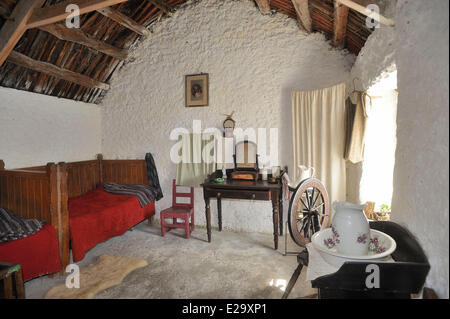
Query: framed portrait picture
{"points": [[197, 90]]}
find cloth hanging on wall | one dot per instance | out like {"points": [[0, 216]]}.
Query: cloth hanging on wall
{"points": [[197, 159], [152, 175], [355, 131], [318, 136]]}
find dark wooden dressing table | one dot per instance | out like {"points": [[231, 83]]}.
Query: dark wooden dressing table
{"points": [[240, 189]]}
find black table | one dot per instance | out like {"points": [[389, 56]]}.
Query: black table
{"points": [[240, 189]]}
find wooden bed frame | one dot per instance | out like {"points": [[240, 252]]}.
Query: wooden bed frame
{"points": [[33, 193], [42, 192]]}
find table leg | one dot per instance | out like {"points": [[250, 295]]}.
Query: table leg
{"points": [[281, 214], [219, 210], [208, 218], [275, 208]]}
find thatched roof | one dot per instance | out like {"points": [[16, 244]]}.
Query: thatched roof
{"points": [[44, 53]]}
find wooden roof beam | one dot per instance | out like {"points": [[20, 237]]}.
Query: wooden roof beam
{"points": [[78, 36], [15, 26], [303, 15], [53, 70], [264, 6], [4, 11], [57, 12], [162, 6], [361, 9], [339, 24], [125, 21]]}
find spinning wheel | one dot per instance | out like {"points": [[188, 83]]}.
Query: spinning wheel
{"points": [[308, 211]]}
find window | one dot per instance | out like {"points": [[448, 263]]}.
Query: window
{"points": [[380, 143]]}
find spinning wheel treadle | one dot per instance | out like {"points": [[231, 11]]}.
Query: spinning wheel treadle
{"points": [[308, 211]]}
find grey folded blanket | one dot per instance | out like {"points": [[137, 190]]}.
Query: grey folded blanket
{"points": [[144, 193], [14, 227]]}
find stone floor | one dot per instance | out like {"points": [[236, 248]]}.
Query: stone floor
{"points": [[233, 265]]}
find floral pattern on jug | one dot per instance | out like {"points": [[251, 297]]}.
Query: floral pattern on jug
{"points": [[332, 241], [335, 234], [351, 232], [362, 239]]}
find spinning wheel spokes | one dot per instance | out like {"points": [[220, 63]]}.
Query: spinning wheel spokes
{"points": [[308, 210], [303, 203], [318, 195]]}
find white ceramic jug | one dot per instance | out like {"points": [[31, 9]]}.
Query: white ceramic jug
{"points": [[351, 232], [305, 172]]}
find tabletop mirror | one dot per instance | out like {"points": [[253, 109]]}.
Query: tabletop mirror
{"points": [[245, 161]]}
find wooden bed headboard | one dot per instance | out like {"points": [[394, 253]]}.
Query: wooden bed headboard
{"points": [[30, 193], [125, 171], [37, 193], [82, 177], [87, 175]]}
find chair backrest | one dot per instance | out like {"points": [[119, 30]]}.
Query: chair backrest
{"points": [[176, 195]]}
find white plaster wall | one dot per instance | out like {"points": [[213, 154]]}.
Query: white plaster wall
{"points": [[378, 54], [420, 199], [253, 61], [375, 60], [36, 129]]}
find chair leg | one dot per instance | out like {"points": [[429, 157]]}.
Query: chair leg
{"points": [[174, 220], [163, 226], [187, 227], [192, 223]]}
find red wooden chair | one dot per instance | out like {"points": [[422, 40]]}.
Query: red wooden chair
{"points": [[179, 211]]}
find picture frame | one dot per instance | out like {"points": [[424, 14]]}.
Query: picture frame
{"points": [[197, 90]]}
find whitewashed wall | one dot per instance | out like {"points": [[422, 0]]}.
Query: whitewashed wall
{"points": [[253, 61], [420, 199], [36, 129]]}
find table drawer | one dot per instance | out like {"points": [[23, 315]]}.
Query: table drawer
{"points": [[244, 194]]}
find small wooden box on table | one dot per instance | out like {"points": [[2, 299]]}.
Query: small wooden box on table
{"points": [[241, 189], [11, 281]]}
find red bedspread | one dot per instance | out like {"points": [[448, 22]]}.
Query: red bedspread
{"points": [[97, 216], [37, 254]]}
